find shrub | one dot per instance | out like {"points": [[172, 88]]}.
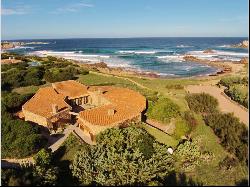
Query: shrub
{"points": [[163, 110], [227, 163], [13, 101], [175, 86], [181, 128], [239, 94], [232, 133], [229, 81], [188, 155], [190, 119], [202, 103], [126, 156], [83, 71], [60, 75], [19, 138]]}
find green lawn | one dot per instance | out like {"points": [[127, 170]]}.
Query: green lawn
{"points": [[161, 136], [98, 79], [29, 89]]}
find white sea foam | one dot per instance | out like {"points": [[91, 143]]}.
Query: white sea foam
{"points": [[184, 46], [171, 58], [70, 55], [86, 58], [137, 52], [21, 47], [218, 55], [225, 46]]}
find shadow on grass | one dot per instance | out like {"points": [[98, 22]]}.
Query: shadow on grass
{"points": [[65, 177], [179, 179]]}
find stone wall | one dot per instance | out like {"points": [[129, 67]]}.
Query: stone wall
{"points": [[29, 116]]}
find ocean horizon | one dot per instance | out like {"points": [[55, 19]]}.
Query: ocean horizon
{"points": [[159, 55]]}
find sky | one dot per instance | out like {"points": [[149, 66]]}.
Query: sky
{"points": [[38, 19]]}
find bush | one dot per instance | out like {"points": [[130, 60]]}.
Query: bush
{"points": [[181, 128], [60, 75], [190, 119], [19, 138], [227, 163], [238, 94], [202, 103], [175, 86], [232, 133], [83, 71], [188, 155], [126, 156], [163, 110], [18, 77], [13, 101], [229, 81]]}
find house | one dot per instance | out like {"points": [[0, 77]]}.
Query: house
{"points": [[95, 108]]}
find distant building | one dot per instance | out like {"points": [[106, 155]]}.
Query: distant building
{"points": [[95, 108]]}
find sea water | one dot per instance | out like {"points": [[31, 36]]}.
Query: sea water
{"points": [[163, 56]]}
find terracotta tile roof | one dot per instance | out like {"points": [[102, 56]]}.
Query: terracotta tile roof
{"points": [[126, 103], [41, 103], [70, 88]]}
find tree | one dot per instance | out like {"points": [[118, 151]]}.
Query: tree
{"points": [[44, 172], [127, 156], [19, 138], [43, 158]]}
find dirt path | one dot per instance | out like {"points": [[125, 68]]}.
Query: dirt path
{"points": [[225, 105]]}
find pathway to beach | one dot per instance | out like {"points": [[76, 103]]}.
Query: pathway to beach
{"points": [[226, 105]]}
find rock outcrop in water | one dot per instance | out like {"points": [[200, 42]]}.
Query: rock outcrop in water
{"points": [[9, 45], [243, 44], [244, 60], [208, 51]]}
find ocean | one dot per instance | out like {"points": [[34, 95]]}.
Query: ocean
{"points": [[163, 56]]}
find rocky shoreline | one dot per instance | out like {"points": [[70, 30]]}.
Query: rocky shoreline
{"points": [[243, 44], [224, 67]]}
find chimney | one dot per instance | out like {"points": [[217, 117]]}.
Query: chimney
{"points": [[111, 112], [54, 109]]}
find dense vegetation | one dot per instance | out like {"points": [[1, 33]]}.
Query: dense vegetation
{"points": [[163, 110], [43, 173], [202, 103], [50, 69], [233, 134], [13, 101], [19, 138], [123, 157], [236, 89]]}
